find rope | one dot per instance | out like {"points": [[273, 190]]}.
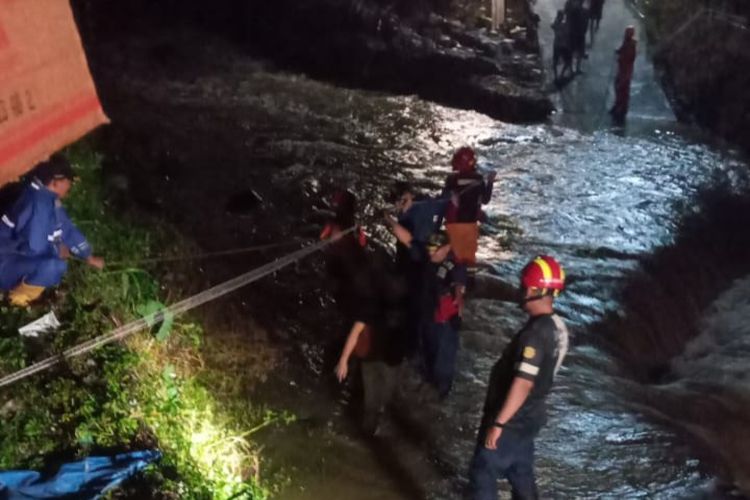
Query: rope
{"points": [[207, 255], [175, 309]]}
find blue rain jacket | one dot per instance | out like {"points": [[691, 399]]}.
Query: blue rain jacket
{"points": [[31, 234], [423, 218], [87, 478]]}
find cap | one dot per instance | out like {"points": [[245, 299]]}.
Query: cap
{"points": [[57, 167]]}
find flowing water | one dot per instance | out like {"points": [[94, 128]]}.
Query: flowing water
{"points": [[600, 199]]}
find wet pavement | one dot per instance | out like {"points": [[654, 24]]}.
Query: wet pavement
{"points": [[583, 101]]}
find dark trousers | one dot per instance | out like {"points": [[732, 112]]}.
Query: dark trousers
{"points": [[622, 96], [513, 460], [440, 347], [43, 271], [417, 310], [379, 381]]}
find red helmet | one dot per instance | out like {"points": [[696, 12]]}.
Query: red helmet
{"points": [[464, 160], [543, 274]]}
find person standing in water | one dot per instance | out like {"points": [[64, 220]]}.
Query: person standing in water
{"points": [[514, 409], [466, 190], [561, 51], [577, 18], [417, 219], [625, 63], [596, 9]]}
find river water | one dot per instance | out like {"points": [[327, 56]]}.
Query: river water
{"points": [[599, 198]]}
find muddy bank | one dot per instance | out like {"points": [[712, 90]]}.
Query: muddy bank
{"points": [[372, 45], [703, 50]]}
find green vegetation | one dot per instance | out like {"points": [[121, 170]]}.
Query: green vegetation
{"points": [[149, 392]]}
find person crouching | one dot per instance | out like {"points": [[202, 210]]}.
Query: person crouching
{"points": [[37, 237]]}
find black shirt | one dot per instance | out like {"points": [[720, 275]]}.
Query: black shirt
{"points": [[472, 192], [389, 304], [535, 353], [347, 266], [367, 289]]}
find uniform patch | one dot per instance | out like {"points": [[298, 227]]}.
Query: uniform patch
{"points": [[528, 369], [529, 352]]}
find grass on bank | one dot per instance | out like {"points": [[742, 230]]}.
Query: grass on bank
{"points": [[145, 393]]}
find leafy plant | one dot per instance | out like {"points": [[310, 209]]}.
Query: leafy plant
{"points": [[146, 392]]}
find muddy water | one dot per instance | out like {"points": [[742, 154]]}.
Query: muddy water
{"points": [[215, 124]]}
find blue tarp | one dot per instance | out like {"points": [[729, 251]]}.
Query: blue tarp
{"points": [[87, 478]]}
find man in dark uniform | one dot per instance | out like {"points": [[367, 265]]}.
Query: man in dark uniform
{"points": [[514, 410]]}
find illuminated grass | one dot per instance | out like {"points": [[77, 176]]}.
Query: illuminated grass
{"points": [[148, 393]]}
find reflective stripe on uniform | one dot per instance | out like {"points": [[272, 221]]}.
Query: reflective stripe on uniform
{"points": [[8, 222], [528, 369], [79, 248], [562, 340]]}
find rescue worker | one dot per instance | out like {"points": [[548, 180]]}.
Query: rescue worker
{"points": [[561, 46], [595, 13], [466, 190], [376, 338], [446, 288], [577, 18], [347, 252], [37, 237], [345, 258], [370, 296], [514, 409], [419, 217], [418, 214], [625, 64]]}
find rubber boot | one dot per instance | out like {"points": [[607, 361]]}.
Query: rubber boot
{"points": [[23, 294]]}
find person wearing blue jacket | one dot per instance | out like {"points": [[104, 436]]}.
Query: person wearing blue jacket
{"points": [[418, 217], [37, 236]]}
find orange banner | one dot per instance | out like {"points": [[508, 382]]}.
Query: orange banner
{"points": [[47, 97]]}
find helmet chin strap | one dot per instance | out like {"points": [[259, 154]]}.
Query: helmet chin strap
{"points": [[526, 300]]}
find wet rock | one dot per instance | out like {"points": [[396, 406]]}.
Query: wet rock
{"points": [[505, 99], [715, 93]]}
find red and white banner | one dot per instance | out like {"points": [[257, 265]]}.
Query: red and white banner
{"points": [[47, 97]]}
